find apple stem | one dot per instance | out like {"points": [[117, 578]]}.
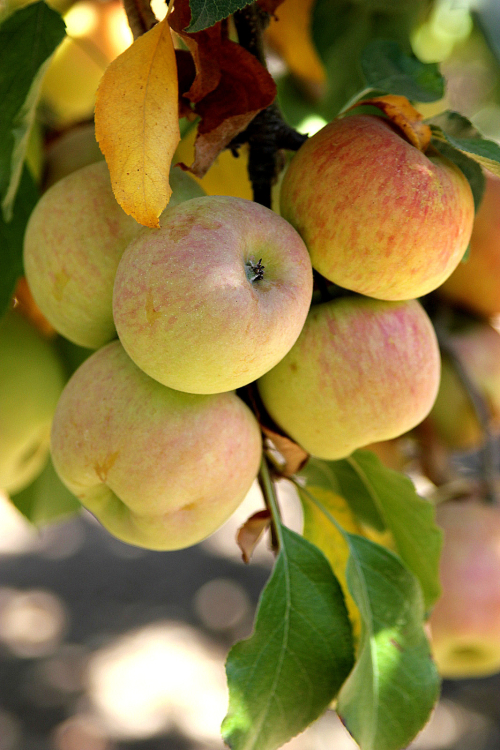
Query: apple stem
{"points": [[268, 490], [257, 269]]}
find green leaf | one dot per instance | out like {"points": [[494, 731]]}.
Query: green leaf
{"points": [[11, 238], [384, 498], [469, 167], [409, 518], [206, 13], [342, 478], [285, 675], [387, 67], [389, 695], [28, 38], [459, 132], [46, 499]]}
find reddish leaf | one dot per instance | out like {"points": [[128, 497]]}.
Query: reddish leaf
{"points": [[230, 86], [249, 534]]}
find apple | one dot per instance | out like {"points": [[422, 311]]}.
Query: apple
{"points": [[74, 149], [215, 297], [74, 240], [475, 284], [31, 380], [465, 622], [452, 417], [378, 216], [159, 468], [362, 371]]}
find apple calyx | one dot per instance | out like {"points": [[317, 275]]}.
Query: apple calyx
{"points": [[256, 269], [404, 116]]}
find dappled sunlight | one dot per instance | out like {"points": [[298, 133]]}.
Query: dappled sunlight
{"points": [[17, 535], [32, 623], [157, 678]]}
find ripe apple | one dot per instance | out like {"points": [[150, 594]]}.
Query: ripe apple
{"points": [[452, 417], [31, 379], [362, 371], [159, 468], [378, 216], [74, 239], [475, 284], [214, 298], [465, 622]]}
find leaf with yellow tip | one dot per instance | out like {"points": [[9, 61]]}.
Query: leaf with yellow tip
{"points": [[136, 123]]}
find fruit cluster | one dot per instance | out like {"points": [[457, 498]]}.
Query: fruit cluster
{"points": [[149, 432]]}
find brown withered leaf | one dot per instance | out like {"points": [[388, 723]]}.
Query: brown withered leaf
{"points": [[404, 115], [249, 534], [230, 86], [292, 457]]}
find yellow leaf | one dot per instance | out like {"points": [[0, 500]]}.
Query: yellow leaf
{"points": [[290, 34], [321, 532], [137, 125], [324, 534]]}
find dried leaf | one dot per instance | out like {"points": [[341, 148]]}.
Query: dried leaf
{"points": [[249, 534], [292, 458], [230, 86], [137, 124], [404, 115]]}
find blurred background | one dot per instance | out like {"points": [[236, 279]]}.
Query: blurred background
{"points": [[104, 646]]}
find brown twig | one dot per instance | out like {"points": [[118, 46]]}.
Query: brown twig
{"points": [[488, 452], [268, 133], [140, 16]]}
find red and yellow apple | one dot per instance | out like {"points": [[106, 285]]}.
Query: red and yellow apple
{"points": [[378, 216], [31, 380], [465, 622], [475, 284], [362, 371], [159, 468], [74, 240], [215, 297]]}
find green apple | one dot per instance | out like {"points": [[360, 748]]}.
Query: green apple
{"points": [[31, 379], [159, 468], [378, 216], [74, 240], [214, 298], [362, 371], [74, 149], [452, 417], [465, 622], [475, 284]]}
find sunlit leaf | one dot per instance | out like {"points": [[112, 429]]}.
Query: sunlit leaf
{"points": [[137, 125], [459, 132], [394, 685], [28, 38], [285, 675], [388, 697]]}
